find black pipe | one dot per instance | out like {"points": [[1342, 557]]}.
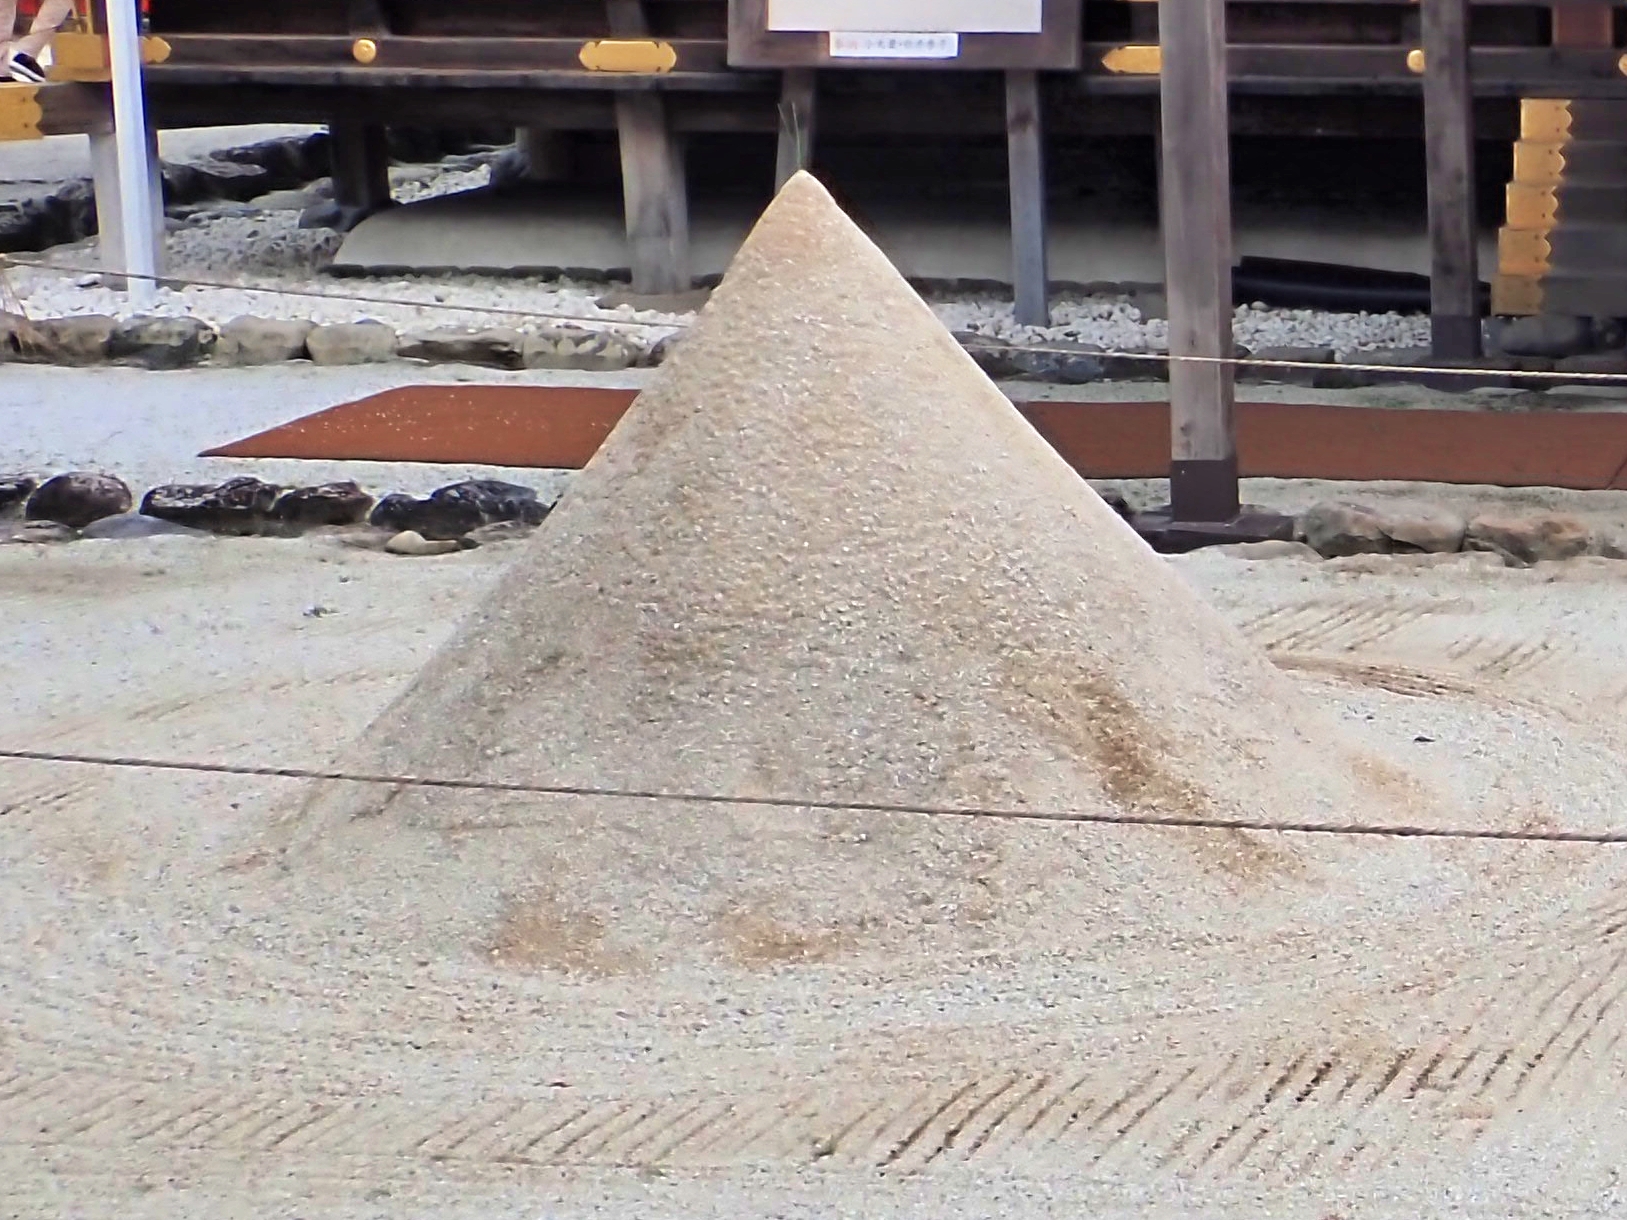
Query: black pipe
{"points": [[1291, 284]]}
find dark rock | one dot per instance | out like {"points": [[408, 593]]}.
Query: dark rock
{"points": [[15, 490], [453, 511], [253, 341], [217, 178], [1486, 373], [78, 498], [1614, 362], [80, 340], [494, 500], [496, 348], [429, 518], [161, 343], [1059, 363], [1335, 529], [134, 525], [237, 506], [1551, 335], [1527, 540], [326, 504]]}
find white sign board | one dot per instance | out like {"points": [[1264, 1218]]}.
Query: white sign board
{"points": [[906, 16]]}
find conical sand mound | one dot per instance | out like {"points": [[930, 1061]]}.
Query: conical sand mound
{"points": [[824, 558]]}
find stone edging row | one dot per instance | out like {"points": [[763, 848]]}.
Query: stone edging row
{"points": [[84, 504], [1337, 529], [178, 343], [466, 514]]}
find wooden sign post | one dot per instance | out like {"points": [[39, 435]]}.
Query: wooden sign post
{"points": [[1017, 37], [1197, 223]]}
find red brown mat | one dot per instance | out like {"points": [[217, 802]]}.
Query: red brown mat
{"points": [[562, 427]]}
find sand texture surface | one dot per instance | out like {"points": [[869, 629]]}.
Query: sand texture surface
{"points": [[802, 570]]}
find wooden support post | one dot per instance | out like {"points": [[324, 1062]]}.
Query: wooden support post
{"points": [[1454, 286], [655, 190], [1198, 259], [798, 116], [361, 168], [1025, 151]]}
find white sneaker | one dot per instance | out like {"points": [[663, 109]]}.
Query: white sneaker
{"points": [[21, 66]]}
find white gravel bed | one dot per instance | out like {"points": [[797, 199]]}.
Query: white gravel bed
{"points": [[1118, 323], [267, 250]]}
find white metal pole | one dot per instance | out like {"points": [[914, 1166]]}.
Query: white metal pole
{"points": [[141, 234]]}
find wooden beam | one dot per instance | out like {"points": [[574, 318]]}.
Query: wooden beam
{"points": [[1449, 153], [655, 191], [798, 123], [1025, 150], [1198, 260]]}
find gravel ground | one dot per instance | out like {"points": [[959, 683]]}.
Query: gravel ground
{"points": [[241, 246]]}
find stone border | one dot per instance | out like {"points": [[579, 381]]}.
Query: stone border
{"points": [[165, 343], [85, 504], [1062, 363], [466, 514], [1337, 529], [168, 343]]}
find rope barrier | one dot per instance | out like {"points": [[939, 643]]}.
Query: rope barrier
{"points": [[1054, 817], [987, 345]]}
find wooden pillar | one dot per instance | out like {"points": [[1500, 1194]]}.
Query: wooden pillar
{"points": [[1454, 286], [1025, 150], [798, 119], [1198, 259], [655, 191], [361, 167]]}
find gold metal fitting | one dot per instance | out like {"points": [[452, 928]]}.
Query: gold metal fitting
{"points": [[633, 55], [1415, 61], [364, 50], [1134, 60]]}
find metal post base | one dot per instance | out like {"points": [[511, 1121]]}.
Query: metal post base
{"points": [[1169, 536]]}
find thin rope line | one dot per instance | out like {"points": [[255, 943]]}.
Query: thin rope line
{"points": [[1158, 821], [978, 343], [176, 281]]}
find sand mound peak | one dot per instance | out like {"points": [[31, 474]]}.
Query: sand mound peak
{"points": [[823, 558]]}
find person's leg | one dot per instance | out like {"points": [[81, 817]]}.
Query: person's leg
{"points": [[8, 23], [51, 15]]}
